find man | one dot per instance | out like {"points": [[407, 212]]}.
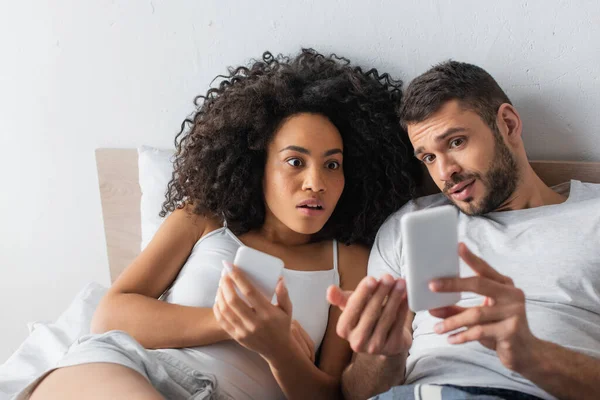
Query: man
{"points": [[528, 323]]}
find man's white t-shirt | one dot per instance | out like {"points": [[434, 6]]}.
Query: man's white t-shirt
{"points": [[552, 253]]}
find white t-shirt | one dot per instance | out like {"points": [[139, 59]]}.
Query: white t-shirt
{"points": [[552, 253]]}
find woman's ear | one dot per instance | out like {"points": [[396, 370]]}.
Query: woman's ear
{"points": [[509, 124]]}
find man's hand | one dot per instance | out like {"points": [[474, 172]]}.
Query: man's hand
{"points": [[373, 316], [499, 324]]}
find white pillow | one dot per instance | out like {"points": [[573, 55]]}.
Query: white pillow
{"points": [[155, 170]]}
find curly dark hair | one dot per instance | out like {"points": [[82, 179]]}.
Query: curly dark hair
{"points": [[221, 149]]}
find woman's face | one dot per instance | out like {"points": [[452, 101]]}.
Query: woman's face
{"points": [[304, 176]]}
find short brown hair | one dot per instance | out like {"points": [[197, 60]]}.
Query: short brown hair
{"points": [[471, 85]]}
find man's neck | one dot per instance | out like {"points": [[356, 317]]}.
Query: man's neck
{"points": [[531, 192]]}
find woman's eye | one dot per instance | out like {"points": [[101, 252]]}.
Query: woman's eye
{"points": [[333, 165], [456, 142], [295, 162]]}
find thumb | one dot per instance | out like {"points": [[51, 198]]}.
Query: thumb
{"points": [[283, 298], [338, 297]]}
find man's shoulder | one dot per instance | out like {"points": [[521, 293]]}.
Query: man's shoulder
{"points": [[585, 190]]}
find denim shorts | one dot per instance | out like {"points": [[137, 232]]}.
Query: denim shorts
{"points": [[169, 376]]}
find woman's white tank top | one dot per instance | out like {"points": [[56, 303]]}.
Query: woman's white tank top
{"points": [[241, 372]]}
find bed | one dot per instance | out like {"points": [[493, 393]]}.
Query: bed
{"points": [[120, 193]]}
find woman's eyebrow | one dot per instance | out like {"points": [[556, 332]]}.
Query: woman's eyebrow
{"points": [[332, 152], [296, 148], [306, 151]]}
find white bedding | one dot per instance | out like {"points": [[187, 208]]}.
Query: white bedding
{"points": [[48, 342]]}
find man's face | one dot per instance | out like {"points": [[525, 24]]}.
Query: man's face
{"points": [[470, 163]]}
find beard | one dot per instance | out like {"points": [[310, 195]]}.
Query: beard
{"points": [[500, 181]]}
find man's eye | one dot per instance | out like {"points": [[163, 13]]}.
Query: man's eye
{"points": [[295, 162], [333, 165], [456, 142], [428, 159]]}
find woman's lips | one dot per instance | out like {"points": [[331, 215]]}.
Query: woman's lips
{"points": [[311, 212]]}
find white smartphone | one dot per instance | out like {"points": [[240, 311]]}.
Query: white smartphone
{"points": [[430, 248], [262, 269]]}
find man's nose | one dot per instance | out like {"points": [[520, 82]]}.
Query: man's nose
{"points": [[447, 168]]}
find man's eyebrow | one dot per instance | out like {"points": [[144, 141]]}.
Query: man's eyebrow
{"points": [[307, 152], [441, 137]]}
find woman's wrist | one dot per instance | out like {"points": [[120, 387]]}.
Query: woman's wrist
{"points": [[284, 355]]}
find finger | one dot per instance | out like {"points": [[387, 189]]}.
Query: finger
{"points": [[445, 312], [250, 292], [234, 303], [283, 298], [297, 337], [223, 323], [223, 319], [488, 302], [474, 284], [481, 267], [397, 330], [355, 306], [373, 310], [474, 316], [390, 316], [399, 323], [338, 297], [307, 339], [487, 333]]}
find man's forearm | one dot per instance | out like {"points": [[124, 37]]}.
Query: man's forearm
{"points": [[564, 373], [369, 375]]}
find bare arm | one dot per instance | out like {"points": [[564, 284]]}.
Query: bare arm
{"points": [[371, 374], [563, 373], [376, 322], [131, 303]]}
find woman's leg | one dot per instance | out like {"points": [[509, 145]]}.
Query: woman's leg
{"points": [[95, 381]]}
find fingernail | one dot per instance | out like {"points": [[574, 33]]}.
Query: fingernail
{"points": [[435, 285], [439, 327], [227, 265], [371, 283], [400, 285], [387, 281]]}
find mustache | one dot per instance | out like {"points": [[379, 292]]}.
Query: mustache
{"points": [[456, 179]]}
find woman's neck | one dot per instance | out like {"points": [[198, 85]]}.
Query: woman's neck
{"points": [[276, 232]]}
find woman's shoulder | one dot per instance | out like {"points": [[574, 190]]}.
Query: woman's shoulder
{"points": [[352, 264], [187, 219]]}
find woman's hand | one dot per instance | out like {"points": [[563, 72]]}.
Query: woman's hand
{"points": [[303, 341], [256, 324]]}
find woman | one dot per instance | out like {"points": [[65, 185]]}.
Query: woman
{"points": [[290, 157]]}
